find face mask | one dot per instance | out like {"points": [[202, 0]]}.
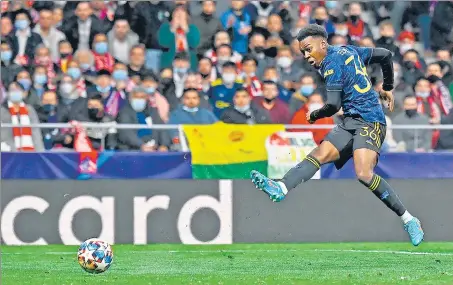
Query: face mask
{"points": [[21, 24], [205, 75], [120, 75], [223, 59], [180, 71], [433, 79], [331, 5], [150, 90], [423, 95], [314, 106], [342, 32], [405, 47], [85, 66], [354, 18], [273, 80], [411, 112], [74, 72], [306, 90], [6, 55], [284, 62], [101, 47], [64, 55], [67, 101], [101, 89], [95, 113], [66, 88], [228, 78], [319, 22], [259, 49], [15, 96], [269, 100], [49, 108], [242, 109], [40, 79], [388, 40], [26, 83], [166, 81], [190, 110], [138, 104]]}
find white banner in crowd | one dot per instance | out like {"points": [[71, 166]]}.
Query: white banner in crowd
{"points": [[287, 149]]}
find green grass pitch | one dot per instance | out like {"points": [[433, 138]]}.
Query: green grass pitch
{"points": [[338, 263]]}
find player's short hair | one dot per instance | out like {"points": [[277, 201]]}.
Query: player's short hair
{"points": [[312, 30]]}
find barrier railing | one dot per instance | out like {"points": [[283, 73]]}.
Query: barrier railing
{"points": [[182, 138]]}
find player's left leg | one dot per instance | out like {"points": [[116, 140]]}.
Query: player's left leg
{"points": [[365, 160]]}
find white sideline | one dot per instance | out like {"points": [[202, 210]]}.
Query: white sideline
{"points": [[256, 250]]}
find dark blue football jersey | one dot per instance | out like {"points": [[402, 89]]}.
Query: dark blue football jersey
{"points": [[343, 69]]}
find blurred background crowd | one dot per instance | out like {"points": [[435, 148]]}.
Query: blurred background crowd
{"points": [[199, 62]]}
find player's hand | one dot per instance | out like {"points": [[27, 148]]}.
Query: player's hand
{"points": [[309, 118], [387, 96]]}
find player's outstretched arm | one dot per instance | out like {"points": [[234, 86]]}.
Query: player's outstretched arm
{"points": [[384, 58], [331, 107]]}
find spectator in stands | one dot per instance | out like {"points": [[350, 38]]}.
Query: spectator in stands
{"points": [[357, 28], [244, 112], [401, 90], [81, 81], [137, 66], [222, 38], [121, 39], [43, 58], [425, 102], [275, 29], [278, 110], [57, 17], [444, 54], [85, 59], [321, 17], [419, 140], [167, 88], [147, 17], [223, 89], [338, 40], [406, 41], [49, 34], [178, 36], [64, 56], [208, 25], [24, 41], [446, 136], [181, 66], [208, 73], [315, 102], [412, 67], [251, 82], [439, 91], [6, 27], [150, 84], [102, 57], [50, 113], [225, 54], [257, 48], [67, 95], [15, 111], [237, 22], [96, 113], [81, 28], [30, 97], [387, 39], [138, 111], [260, 10], [193, 81], [9, 68], [39, 81], [121, 80], [306, 88], [288, 73], [441, 26], [271, 74]]}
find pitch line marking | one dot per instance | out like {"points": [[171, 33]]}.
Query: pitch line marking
{"points": [[256, 250]]}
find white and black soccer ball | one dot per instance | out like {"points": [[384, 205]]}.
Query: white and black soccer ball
{"points": [[95, 256]]}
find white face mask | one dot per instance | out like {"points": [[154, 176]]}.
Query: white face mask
{"points": [[405, 47], [284, 62], [228, 78], [314, 106], [423, 95]]}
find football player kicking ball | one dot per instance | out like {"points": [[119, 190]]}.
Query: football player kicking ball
{"points": [[363, 130]]}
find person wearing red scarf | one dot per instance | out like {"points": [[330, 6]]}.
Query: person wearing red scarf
{"points": [[251, 82], [103, 60], [357, 28]]}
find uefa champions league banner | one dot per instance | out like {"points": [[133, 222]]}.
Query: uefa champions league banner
{"points": [[38, 212], [108, 165], [287, 149]]}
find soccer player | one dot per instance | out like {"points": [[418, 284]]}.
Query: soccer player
{"points": [[360, 135]]}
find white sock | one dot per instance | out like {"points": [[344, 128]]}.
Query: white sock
{"points": [[285, 191], [406, 217]]}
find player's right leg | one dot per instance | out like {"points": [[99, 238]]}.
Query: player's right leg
{"points": [[303, 171]]}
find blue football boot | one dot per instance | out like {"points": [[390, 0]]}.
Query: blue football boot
{"points": [[269, 186], [414, 229]]}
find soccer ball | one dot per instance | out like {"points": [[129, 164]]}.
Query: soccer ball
{"points": [[95, 256]]}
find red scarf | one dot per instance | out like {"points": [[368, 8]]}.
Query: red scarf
{"points": [[103, 61], [180, 40], [255, 87], [48, 64], [81, 87], [23, 139], [356, 31], [112, 105], [82, 144]]}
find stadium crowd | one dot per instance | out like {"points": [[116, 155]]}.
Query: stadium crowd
{"points": [[187, 62]]}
